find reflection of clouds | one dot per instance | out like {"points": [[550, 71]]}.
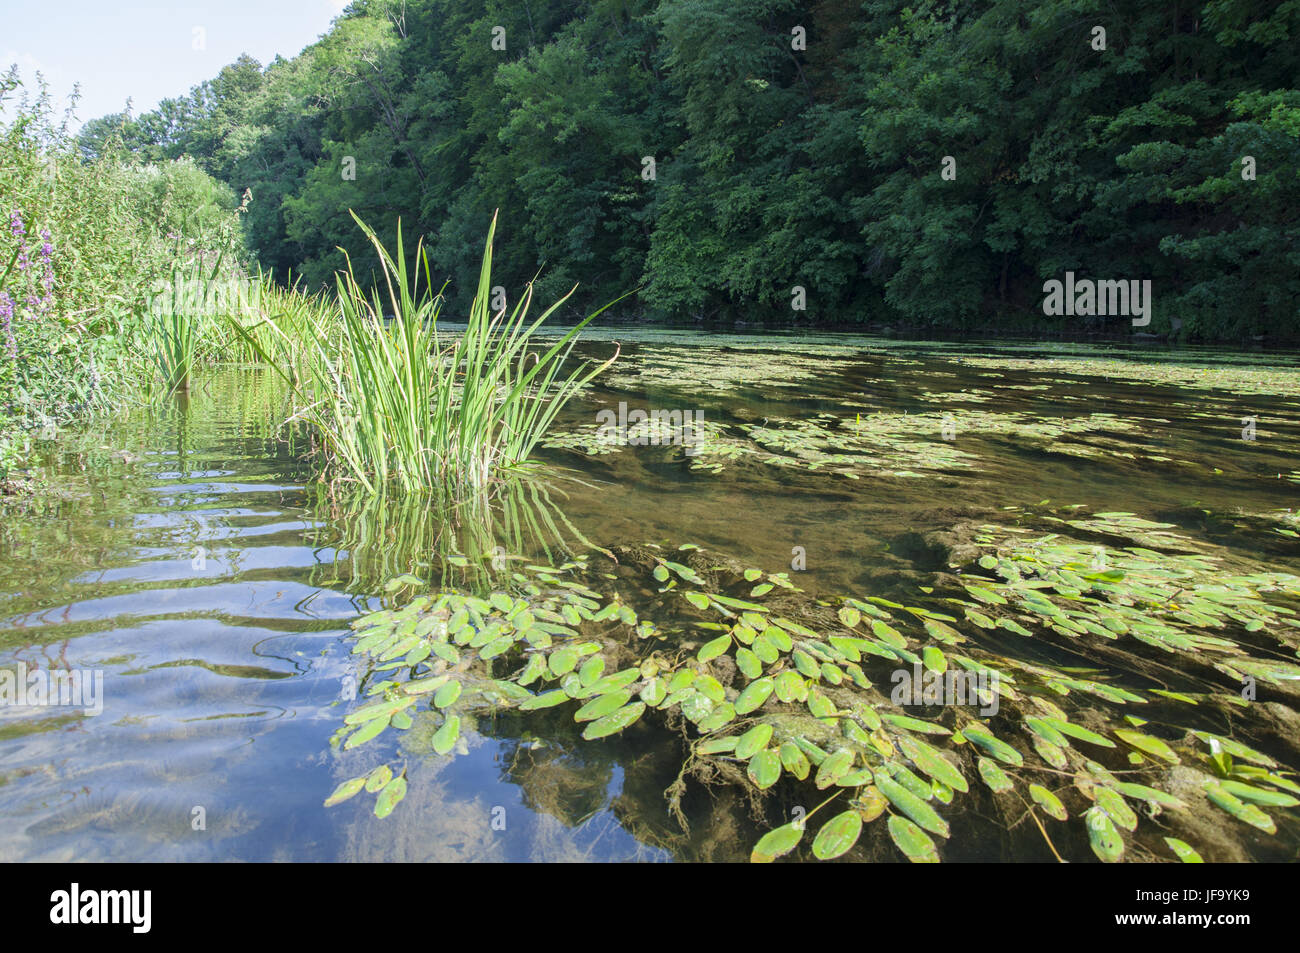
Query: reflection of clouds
{"points": [[65, 812], [435, 824], [447, 814]]}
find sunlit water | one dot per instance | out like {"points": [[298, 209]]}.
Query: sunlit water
{"points": [[198, 570]]}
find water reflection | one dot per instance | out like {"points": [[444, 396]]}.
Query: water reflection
{"points": [[196, 562]]}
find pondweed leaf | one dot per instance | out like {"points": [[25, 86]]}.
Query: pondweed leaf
{"points": [[697, 599], [833, 768], [366, 732], [349, 788], [716, 745], [447, 694], [711, 650], [1104, 839], [393, 792], [1183, 851], [721, 716], [994, 776], [777, 843], [399, 581], [753, 741], [1248, 813], [748, 663], [1113, 803], [933, 763], [562, 660], [1048, 801], [376, 710], [765, 768], [1147, 743], [753, 696], [794, 760], [545, 700], [911, 805], [915, 724], [1082, 734], [614, 723], [837, 836], [1045, 731], [444, 739], [1258, 795], [1143, 793], [602, 705], [979, 735], [915, 844]]}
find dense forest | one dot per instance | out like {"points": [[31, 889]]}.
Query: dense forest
{"points": [[926, 165]]}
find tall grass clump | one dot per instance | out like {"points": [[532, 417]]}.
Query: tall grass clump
{"points": [[404, 405]]}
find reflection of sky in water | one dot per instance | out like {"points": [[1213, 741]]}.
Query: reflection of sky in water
{"points": [[224, 684]]}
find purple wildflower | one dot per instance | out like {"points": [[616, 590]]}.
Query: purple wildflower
{"points": [[47, 261], [19, 230], [6, 322]]}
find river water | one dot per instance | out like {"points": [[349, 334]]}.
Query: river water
{"points": [[196, 566]]}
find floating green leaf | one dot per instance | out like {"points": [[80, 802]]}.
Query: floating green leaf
{"points": [[602, 705], [1183, 851], [764, 768], [777, 843], [711, 650], [981, 736], [994, 776], [349, 788], [444, 739], [1104, 839], [911, 805], [837, 836], [1148, 743], [1048, 801], [393, 792], [614, 723], [753, 741], [912, 841], [754, 695]]}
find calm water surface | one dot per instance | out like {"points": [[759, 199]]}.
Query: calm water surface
{"points": [[199, 569]]}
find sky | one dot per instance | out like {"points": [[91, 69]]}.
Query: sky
{"points": [[148, 51]]}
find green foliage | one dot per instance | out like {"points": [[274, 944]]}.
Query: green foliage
{"points": [[777, 166], [86, 248], [404, 406], [812, 715]]}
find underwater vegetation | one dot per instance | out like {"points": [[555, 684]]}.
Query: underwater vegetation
{"points": [[1104, 663]]}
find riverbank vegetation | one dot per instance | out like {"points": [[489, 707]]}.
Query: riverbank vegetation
{"points": [[388, 400], [86, 248]]}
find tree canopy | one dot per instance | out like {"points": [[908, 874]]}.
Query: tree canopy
{"points": [[929, 164]]}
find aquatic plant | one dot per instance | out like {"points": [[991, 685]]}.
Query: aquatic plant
{"points": [[401, 405], [877, 444], [781, 690], [176, 322]]}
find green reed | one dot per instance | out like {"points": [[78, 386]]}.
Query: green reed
{"points": [[399, 405]]}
